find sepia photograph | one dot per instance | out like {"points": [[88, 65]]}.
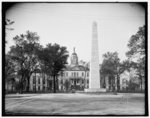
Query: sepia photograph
{"points": [[74, 59]]}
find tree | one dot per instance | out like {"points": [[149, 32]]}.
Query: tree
{"points": [[136, 52], [127, 65], [111, 66], [53, 59], [8, 23], [9, 71], [136, 44], [140, 67], [81, 62], [24, 54], [9, 67]]}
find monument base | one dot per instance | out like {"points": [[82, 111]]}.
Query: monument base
{"points": [[95, 90]]}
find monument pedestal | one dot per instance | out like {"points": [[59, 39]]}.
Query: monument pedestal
{"points": [[95, 90]]}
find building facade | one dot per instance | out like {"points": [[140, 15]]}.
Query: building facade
{"points": [[74, 76]]}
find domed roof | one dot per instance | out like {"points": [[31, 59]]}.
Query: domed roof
{"points": [[74, 53]]}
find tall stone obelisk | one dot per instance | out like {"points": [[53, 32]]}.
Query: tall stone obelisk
{"points": [[94, 80]]}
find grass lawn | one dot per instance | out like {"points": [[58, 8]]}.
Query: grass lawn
{"points": [[75, 104]]}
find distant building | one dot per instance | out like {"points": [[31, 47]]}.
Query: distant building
{"points": [[40, 82], [74, 76], [127, 78]]}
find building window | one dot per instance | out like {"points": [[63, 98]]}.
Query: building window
{"points": [[77, 74], [39, 88], [87, 74], [82, 74], [74, 74], [43, 88], [87, 81], [39, 80], [34, 88], [66, 74], [83, 81], [34, 79], [43, 80]]}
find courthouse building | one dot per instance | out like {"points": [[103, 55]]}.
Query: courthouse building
{"points": [[74, 76]]}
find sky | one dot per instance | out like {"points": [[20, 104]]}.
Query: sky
{"points": [[70, 25]]}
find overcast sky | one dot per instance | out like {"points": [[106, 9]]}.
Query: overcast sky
{"points": [[70, 25]]}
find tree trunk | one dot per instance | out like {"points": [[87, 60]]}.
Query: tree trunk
{"points": [[35, 82], [21, 85], [141, 81], [57, 87], [27, 87], [54, 85], [110, 83], [7, 87], [118, 83], [12, 86]]}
